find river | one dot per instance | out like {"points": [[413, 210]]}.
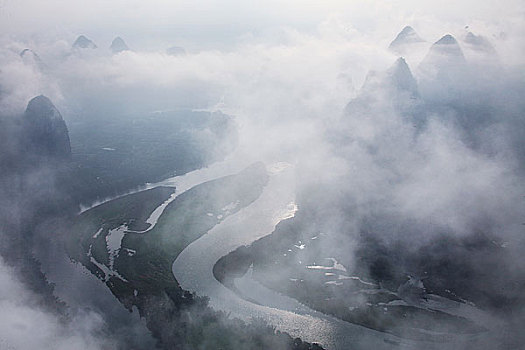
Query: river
{"points": [[193, 269]]}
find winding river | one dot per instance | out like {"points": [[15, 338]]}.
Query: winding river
{"points": [[193, 267]]}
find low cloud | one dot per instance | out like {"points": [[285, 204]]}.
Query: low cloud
{"points": [[25, 325]]}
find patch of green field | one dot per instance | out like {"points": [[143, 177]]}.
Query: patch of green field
{"points": [[91, 227]]}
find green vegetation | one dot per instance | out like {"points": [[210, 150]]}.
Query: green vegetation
{"points": [[133, 210]]}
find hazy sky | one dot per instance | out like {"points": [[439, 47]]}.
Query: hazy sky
{"points": [[219, 23]]}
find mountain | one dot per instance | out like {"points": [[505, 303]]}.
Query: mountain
{"points": [[400, 77], [84, 43], [481, 53], [404, 40], [444, 71], [447, 45], [118, 45], [44, 132], [444, 54], [479, 43], [30, 57], [34, 162], [176, 51], [394, 82], [394, 91]]}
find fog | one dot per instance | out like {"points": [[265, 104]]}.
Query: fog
{"points": [[438, 150], [25, 326]]}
